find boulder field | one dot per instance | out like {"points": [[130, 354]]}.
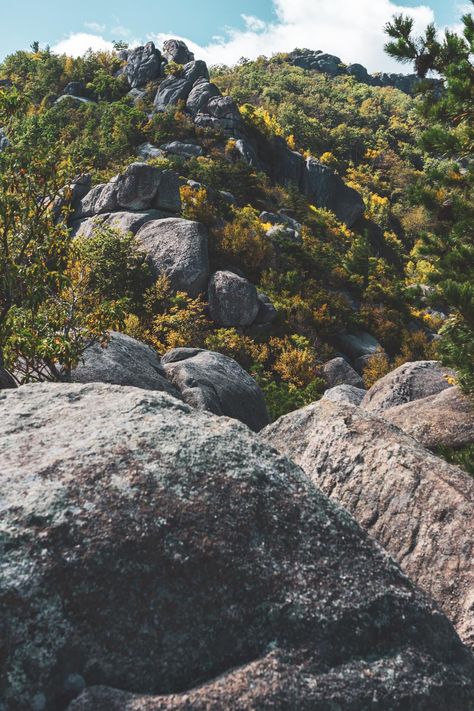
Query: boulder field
{"points": [[156, 557]]}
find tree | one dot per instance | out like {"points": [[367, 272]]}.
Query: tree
{"points": [[451, 251]]}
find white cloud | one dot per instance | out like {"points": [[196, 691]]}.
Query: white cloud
{"points": [[352, 30], [78, 43], [94, 26]]}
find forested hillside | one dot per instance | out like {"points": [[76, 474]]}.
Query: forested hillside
{"points": [[334, 275]]}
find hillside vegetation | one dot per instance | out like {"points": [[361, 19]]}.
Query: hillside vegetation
{"points": [[402, 272]]}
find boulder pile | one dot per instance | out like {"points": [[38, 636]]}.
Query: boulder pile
{"points": [[157, 557]]}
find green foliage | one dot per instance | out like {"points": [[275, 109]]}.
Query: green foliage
{"points": [[450, 249], [462, 457]]}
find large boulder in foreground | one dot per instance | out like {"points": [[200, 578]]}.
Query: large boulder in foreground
{"points": [[177, 248], [442, 420], [233, 300], [411, 381], [168, 553], [212, 381], [123, 361], [418, 507]]}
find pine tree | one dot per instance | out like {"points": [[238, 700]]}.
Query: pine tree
{"points": [[451, 111]]}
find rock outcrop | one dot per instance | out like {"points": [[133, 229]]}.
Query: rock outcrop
{"points": [[177, 248], [140, 187], [442, 420], [339, 372], [411, 381], [213, 382], [418, 507], [233, 300], [177, 51], [327, 190], [144, 64], [123, 361], [168, 554], [330, 64]]}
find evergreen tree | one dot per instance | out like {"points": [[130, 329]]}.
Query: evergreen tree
{"points": [[451, 113]]}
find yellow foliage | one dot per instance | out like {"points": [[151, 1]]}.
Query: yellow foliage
{"points": [[196, 205], [377, 366]]}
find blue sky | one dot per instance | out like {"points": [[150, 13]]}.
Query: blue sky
{"points": [[220, 30]]}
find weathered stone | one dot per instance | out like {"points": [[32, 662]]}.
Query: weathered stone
{"points": [[220, 109], [123, 221], [358, 344], [123, 361], [338, 372], [267, 313], [442, 420], [101, 198], [233, 300], [418, 507], [175, 50], [287, 167], [411, 381], [148, 150], [247, 152], [178, 88], [187, 150], [359, 73], [167, 552], [200, 95], [345, 394], [138, 186], [143, 65], [212, 381], [326, 189], [177, 248]]}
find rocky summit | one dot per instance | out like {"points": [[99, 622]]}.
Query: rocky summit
{"points": [[155, 557]]}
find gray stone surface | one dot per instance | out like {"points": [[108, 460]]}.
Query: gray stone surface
{"points": [[175, 50], [187, 150], [345, 394], [144, 64], [4, 142], [416, 505], [411, 381], [148, 150], [338, 372], [123, 361], [442, 420], [166, 552], [177, 248], [123, 221], [199, 96], [140, 187], [176, 88], [233, 300], [326, 189], [267, 313], [358, 344], [212, 381], [101, 198]]}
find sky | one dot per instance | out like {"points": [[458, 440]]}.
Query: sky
{"points": [[220, 31]]}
